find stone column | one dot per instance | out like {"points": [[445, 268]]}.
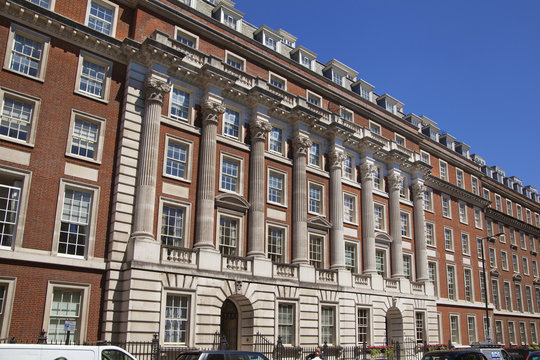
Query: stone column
{"points": [[301, 144], [212, 107], [337, 260], [257, 191], [367, 171], [420, 250], [145, 200], [395, 182]]}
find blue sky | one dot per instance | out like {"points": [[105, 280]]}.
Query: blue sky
{"points": [[472, 66]]}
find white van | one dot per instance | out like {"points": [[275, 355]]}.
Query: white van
{"points": [[62, 352]]}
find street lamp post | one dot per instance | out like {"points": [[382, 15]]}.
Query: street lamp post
{"points": [[488, 323]]}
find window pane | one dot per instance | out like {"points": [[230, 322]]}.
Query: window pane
{"points": [[176, 319], [16, 118], [172, 226], [65, 306], [74, 222], [85, 138]]}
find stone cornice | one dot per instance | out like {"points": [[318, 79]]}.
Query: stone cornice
{"points": [[512, 221], [450, 189], [509, 193], [319, 222]]}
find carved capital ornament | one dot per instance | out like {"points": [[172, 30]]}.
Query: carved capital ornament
{"points": [[155, 89]]}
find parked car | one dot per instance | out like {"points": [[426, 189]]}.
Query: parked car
{"points": [[518, 353], [455, 354], [64, 352], [533, 355], [492, 351], [221, 355]]}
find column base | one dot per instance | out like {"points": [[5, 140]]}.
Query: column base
{"points": [[144, 247]]}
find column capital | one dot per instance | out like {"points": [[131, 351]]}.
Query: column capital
{"points": [[367, 171], [336, 158], [155, 89], [211, 110], [259, 128], [301, 143], [395, 181], [418, 191]]}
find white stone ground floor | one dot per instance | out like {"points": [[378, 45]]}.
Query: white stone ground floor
{"points": [[242, 297]]}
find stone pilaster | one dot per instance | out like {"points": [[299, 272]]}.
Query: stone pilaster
{"points": [[395, 182], [301, 144], [259, 127], [145, 200], [367, 172], [212, 107], [420, 250], [337, 260]]}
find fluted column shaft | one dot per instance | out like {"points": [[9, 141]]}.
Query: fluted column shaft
{"points": [[337, 260], [395, 182], [155, 90], [368, 218], [420, 249], [257, 192], [300, 239], [206, 183]]}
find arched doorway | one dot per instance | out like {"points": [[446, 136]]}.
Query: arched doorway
{"points": [[394, 326], [229, 324]]}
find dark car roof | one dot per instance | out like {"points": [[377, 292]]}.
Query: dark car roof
{"points": [[452, 354]]}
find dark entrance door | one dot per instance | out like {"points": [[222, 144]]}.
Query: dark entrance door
{"points": [[229, 324]]}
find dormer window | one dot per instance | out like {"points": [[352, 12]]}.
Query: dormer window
{"points": [[338, 72], [271, 43], [268, 37], [363, 88], [390, 104], [303, 56], [228, 16]]}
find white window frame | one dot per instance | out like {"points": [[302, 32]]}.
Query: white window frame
{"points": [[508, 301], [512, 332], [471, 285], [92, 225], [410, 257], [528, 216], [460, 174], [320, 156], [455, 285], [32, 127], [240, 221], [368, 326], [190, 317], [354, 210], [475, 185], [316, 97], [534, 334], [465, 251], [107, 4], [519, 212], [84, 55], [458, 333], [50, 7], [335, 332], [522, 333], [165, 201], [101, 122], [443, 165], [18, 178], [515, 263], [349, 113], [191, 106], [383, 228], [356, 266], [375, 128], [384, 251], [477, 213], [284, 241], [17, 29], [435, 281], [534, 266], [407, 216], [463, 215], [322, 238], [425, 156], [240, 178], [10, 285], [474, 336], [278, 79], [498, 202], [189, 161], [492, 257], [294, 325], [448, 210], [400, 140], [85, 302], [504, 260], [433, 241], [349, 173], [451, 232], [428, 200], [180, 32], [499, 325], [322, 204], [230, 56], [283, 141], [509, 210], [284, 192], [525, 265], [241, 121]]}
